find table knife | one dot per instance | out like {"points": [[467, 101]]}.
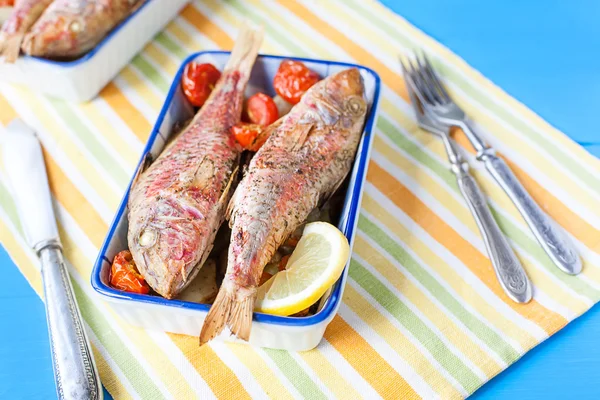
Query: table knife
{"points": [[75, 372]]}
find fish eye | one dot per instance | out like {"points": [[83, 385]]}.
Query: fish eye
{"points": [[147, 238], [355, 105]]}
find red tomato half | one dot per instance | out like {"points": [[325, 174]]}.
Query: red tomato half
{"points": [[198, 81], [293, 79], [249, 136], [262, 110], [124, 275]]}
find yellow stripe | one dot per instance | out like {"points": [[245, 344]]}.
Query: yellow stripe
{"points": [[221, 379], [450, 276], [367, 361], [113, 136], [52, 127], [142, 88], [109, 379], [20, 258], [329, 375], [259, 369], [400, 343], [161, 59], [454, 334], [536, 273]]}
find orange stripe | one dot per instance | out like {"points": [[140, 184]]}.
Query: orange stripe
{"points": [[472, 258], [570, 221], [221, 379], [207, 27], [366, 361], [391, 79], [63, 189], [134, 119]]}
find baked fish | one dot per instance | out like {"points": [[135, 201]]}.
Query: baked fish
{"points": [[307, 156], [23, 16], [177, 205], [70, 28]]}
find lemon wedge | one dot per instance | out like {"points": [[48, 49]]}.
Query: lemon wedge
{"points": [[315, 265]]}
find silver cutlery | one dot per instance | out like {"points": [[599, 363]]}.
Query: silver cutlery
{"points": [[509, 271], [73, 362], [439, 106]]}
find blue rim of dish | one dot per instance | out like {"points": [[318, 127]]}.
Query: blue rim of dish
{"points": [[349, 227], [87, 56]]}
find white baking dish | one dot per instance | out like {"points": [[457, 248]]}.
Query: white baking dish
{"points": [[178, 316], [81, 80]]}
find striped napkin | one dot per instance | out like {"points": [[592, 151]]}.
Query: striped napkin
{"points": [[423, 314]]}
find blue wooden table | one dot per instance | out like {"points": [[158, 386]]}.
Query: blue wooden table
{"points": [[544, 53]]}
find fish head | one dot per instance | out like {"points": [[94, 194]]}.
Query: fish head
{"points": [[167, 244], [339, 97]]}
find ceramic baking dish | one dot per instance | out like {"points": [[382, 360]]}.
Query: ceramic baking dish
{"points": [[82, 79], [154, 312]]}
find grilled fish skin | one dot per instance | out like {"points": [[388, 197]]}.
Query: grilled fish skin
{"points": [[70, 28], [177, 204], [307, 156], [23, 16]]}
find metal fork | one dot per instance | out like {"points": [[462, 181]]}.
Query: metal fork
{"points": [[438, 105], [509, 271]]}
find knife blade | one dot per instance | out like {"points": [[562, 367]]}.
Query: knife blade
{"points": [[75, 372]]}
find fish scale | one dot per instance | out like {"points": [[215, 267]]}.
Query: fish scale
{"points": [[177, 205], [308, 154]]}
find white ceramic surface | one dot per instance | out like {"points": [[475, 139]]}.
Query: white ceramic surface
{"points": [[155, 312], [82, 79]]}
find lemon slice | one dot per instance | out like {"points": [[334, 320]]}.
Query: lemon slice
{"points": [[314, 266]]}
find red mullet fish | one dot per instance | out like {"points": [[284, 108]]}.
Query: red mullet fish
{"points": [[178, 204], [307, 156], [24, 14]]}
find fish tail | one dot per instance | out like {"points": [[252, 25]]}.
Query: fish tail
{"points": [[232, 308], [245, 49], [11, 46]]}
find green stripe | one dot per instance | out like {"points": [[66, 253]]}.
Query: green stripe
{"points": [[400, 311], [151, 73], [8, 204], [91, 143], [510, 229], [118, 351], [170, 45], [479, 328], [480, 96], [295, 374], [272, 31]]}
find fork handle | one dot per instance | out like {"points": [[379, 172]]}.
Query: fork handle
{"points": [[509, 271], [549, 235]]}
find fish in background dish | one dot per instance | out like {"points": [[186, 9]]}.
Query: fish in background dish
{"points": [[24, 14], [177, 205], [70, 28], [305, 159]]}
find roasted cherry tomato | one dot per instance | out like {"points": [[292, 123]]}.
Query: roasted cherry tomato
{"points": [[293, 79], [198, 81], [125, 276], [283, 262], [249, 136], [262, 110], [7, 3]]}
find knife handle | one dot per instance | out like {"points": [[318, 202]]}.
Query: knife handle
{"points": [[73, 361]]}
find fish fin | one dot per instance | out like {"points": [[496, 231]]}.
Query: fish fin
{"points": [[225, 195], [141, 168], [232, 308], [245, 49], [231, 206], [298, 135], [11, 46]]}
